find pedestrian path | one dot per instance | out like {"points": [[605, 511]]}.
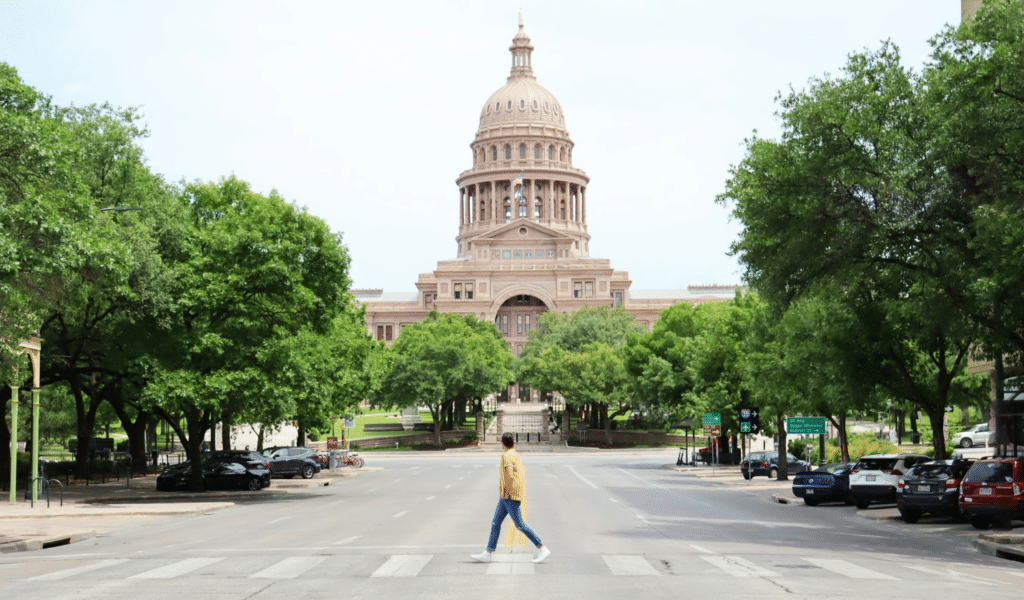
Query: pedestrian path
{"points": [[87, 571]]}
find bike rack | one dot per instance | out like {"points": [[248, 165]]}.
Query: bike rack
{"points": [[45, 487]]}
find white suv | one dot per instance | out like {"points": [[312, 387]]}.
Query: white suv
{"points": [[975, 436], [875, 476]]}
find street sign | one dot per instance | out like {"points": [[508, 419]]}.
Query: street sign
{"points": [[332, 443], [713, 430], [750, 420], [805, 425], [712, 419]]}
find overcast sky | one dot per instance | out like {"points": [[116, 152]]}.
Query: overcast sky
{"points": [[363, 112]]}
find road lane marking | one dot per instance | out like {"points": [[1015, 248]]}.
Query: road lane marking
{"points": [[701, 549], [738, 566], [848, 569], [403, 513], [110, 562], [429, 498], [769, 524], [447, 486], [510, 564], [403, 565], [962, 577], [347, 540], [623, 564], [582, 478], [175, 569], [289, 568], [335, 503], [278, 520], [648, 482], [614, 500]]}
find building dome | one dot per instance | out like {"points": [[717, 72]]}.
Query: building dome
{"points": [[522, 100]]}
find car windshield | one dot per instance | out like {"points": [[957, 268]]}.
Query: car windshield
{"points": [[876, 464], [933, 471], [994, 472], [837, 468]]}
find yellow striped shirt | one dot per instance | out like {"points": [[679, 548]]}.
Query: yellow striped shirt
{"points": [[512, 482]]}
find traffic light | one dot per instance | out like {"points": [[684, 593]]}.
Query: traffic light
{"points": [[750, 420]]}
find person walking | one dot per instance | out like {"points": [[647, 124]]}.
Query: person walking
{"points": [[511, 501]]}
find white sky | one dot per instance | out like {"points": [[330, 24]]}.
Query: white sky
{"points": [[364, 111]]}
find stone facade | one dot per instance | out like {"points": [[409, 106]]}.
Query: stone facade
{"points": [[522, 244]]}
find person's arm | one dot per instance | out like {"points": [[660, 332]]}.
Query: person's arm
{"points": [[507, 468]]}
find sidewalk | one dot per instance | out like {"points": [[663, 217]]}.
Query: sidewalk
{"points": [[91, 510], [1007, 544]]}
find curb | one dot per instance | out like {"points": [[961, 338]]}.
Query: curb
{"points": [[47, 542], [1007, 551]]}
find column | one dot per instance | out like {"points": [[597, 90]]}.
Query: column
{"points": [[499, 421], [583, 202], [14, 442], [545, 432], [462, 206], [480, 428], [576, 206]]}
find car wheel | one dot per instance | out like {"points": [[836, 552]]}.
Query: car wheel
{"points": [[910, 515], [307, 472], [861, 503], [1002, 523], [773, 474], [255, 484], [746, 475], [981, 521], [811, 501], [966, 442]]}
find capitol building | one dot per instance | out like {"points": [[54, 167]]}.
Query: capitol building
{"points": [[523, 246]]}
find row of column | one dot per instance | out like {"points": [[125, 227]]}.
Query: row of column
{"points": [[473, 209]]}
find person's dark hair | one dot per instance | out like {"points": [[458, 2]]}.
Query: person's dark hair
{"points": [[508, 440]]}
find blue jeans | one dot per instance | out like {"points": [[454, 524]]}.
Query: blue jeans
{"points": [[510, 508]]}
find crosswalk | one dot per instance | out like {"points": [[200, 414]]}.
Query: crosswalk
{"points": [[336, 566]]}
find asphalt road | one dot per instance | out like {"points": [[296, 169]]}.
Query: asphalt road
{"points": [[618, 525]]}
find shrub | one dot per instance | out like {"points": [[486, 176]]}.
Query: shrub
{"points": [[860, 445]]}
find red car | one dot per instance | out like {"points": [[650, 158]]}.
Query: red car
{"points": [[992, 491]]}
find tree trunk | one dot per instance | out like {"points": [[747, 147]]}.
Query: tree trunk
{"points": [[5, 435], [607, 424], [783, 462], [259, 439], [935, 415], [225, 433], [844, 440], [301, 441]]}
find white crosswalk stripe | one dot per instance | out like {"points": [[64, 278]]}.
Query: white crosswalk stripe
{"points": [[511, 564], [79, 570], [737, 566], [403, 565], [848, 569], [620, 564], [175, 569], [289, 568]]}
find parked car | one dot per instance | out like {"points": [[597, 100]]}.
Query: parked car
{"points": [[828, 483], [975, 436], [767, 463], [932, 487], [247, 458], [992, 491], [288, 462], [216, 474], [876, 476]]}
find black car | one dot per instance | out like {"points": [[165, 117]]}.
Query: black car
{"points": [[932, 487], [217, 474], [830, 483], [767, 463], [288, 462]]}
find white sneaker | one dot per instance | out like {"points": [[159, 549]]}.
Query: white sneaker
{"points": [[484, 557], [542, 553]]}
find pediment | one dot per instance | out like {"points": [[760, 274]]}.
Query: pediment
{"points": [[522, 230]]}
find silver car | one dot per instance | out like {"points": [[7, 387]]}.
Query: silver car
{"points": [[975, 436]]}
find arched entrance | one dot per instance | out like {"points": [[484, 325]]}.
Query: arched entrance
{"points": [[516, 318]]}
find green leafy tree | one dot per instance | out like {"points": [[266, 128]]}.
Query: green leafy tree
{"points": [[580, 356], [255, 272], [442, 359]]}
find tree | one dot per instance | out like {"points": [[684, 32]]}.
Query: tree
{"points": [[255, 272], [442, 359], [580, 356], [852, 200]]}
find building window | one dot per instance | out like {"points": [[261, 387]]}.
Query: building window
{"points": [[522, 150], [508, 213], [494, 152], [469, 290], [583, 289], [534, 105], [504, 324], [508, 152], [618, 299], [529, 254], [510, 105], [551, 153], [526, 324], [506, 254], [463, 290], [536, 151], [540, 254], [380, 332], [519, 324], [551, 253], [388, 331], [522, 211], [536, 209], [497, 106], [545, 105], [519, 253], [458, 291]]}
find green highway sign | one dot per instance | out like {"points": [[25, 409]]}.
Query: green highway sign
{"points": [[805, 425], [745, 427], [712, 418]]}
